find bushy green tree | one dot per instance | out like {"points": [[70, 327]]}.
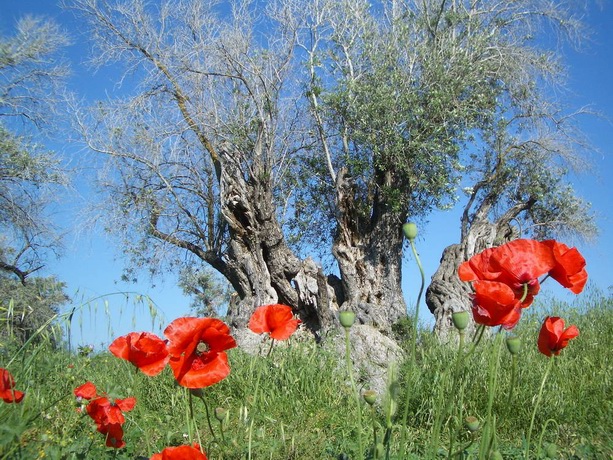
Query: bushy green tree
{"points": [[28, 308]]}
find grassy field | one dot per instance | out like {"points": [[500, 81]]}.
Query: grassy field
{"points": [[297, 404]]}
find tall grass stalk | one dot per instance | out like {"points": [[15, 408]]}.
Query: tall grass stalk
{"points": [[421, 290], [488, 439], [536, 406], [355, 392]]}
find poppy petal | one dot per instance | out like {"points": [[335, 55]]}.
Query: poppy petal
{"points": [[495, 304], [86, 391], [523, 260], [191, 372], [569, 269]]}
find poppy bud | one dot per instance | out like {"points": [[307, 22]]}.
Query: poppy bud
{"points": [[347, 318], [221, 414], [513, 345], [496, 455], [370, 396], [551, 451], [410, 231], [472, 423], [460, 319], [380, 450]]}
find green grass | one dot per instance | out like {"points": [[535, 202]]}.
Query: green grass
{"points": [[297, 403]]}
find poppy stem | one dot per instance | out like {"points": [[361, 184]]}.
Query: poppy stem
{"points": [[272, 342], [208, 415], [355, 392], [536, 404], [421, 290], [489, 429], [191, 408], [457, 392], [513, 378], [374, 429]]}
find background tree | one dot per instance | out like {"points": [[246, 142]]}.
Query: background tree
{"points": [[31, 76], [519, 191], [24, 309], [31, 177], [210, 294], [424, 98], [197, 154], [328, 123]]}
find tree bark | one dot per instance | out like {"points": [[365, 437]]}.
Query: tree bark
{"points": [[446, 293], [368, 250], [260, 266]]}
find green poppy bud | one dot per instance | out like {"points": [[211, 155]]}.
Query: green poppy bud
{"points": [[472, 423], [347, 318], [410, 231], [513, 345], [496, 455], [370, 396], [551, 451], [221, 414], [460, 319]]}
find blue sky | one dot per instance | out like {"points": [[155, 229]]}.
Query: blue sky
{"points": [[92, 263]]}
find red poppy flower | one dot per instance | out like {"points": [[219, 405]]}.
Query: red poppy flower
{"points": [[7, 388], [86, 391], [106, 412], [276, 319], [114, 435], [197, 350], [181, 453], [517, 264], [553, 337], [143, 349], [495, 304], [569, 269]]}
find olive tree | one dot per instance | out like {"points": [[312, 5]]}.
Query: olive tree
{"points": [[257, 137], [31, 78], [518, 190], [32, 75]]}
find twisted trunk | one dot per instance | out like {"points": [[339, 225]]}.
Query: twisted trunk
{"points": [[368, 250], [446, 293], [259, 264]]}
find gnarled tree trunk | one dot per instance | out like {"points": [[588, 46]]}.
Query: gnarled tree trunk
{"points": [[368, 250], [260, 266], [446, 293]]}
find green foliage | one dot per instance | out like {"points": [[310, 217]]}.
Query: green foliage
{"points": [[31, 75], [297, 404], [210, 293], [26, 308]]}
